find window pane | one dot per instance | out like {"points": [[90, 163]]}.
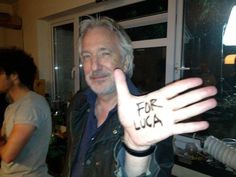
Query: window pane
{"points": [[149, 70], [148, 32], [136, 10], [204, 54], [63, 61]]}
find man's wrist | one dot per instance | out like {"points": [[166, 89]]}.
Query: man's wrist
{"points": [[138, 153]]}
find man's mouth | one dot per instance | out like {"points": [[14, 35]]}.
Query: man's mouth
{"points": [[99, 77]]}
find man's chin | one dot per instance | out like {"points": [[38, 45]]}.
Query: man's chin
{"points": [[103, 91], [99, 91]]}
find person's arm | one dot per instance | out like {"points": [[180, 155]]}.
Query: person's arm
{"points": [[152, 118], [134, 166], [20, 135]]}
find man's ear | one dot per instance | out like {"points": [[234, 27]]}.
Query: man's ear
{"points": [[125, 64], [14, 77]]}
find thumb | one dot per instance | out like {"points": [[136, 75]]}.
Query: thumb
{"points": [[121, 85]]}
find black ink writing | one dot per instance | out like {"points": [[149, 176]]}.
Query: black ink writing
{"points": [[140, 107], [144, 108], [147, 106], [147, 122], [156, 120]]}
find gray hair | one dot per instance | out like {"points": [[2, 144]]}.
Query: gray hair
{"points": [[125, 45]]}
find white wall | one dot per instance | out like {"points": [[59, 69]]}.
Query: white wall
{"points": [[11, 37]]}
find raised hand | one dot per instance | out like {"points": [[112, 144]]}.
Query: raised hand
{"points": [[151, 118]]}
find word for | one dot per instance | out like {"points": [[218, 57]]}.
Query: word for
{"points": [[147, 107]]}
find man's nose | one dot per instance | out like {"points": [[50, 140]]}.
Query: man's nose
{"points": [[95, 63]]}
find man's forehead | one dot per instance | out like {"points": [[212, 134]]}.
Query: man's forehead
{"points": [[99, 49], [99, 33]]}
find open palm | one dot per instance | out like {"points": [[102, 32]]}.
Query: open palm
{"points": [[154, 117]]}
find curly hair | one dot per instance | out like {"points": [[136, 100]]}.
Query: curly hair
{"points": [[16, 61]]}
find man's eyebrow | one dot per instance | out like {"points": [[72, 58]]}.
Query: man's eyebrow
{"points": [[85, 52], [104, 49]]}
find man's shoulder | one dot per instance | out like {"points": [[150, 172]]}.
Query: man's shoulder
{"points": [[76, 113], [79, 100]]}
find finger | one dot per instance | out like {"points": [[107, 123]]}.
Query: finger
{"points": [[121, 85], [195, 109], [192, 97], [180, 86], [190, 127]]}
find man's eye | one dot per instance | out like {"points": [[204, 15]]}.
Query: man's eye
{"points": [[85, 57], [106, 54]]}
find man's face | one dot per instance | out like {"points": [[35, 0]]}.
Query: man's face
{"points": [[5, 83], [100, 56]]}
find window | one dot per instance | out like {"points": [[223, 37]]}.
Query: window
{"points": [[204, 54], [153, 31], [149, 72], [63, 60]]}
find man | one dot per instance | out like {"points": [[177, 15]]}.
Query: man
{"points": [[27, 123], [138, 141]]}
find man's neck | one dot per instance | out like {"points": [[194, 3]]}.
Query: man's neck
{"points": [[104, 104], [16, 93]]}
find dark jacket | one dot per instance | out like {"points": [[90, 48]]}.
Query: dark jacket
{"points": [[102, 156]]}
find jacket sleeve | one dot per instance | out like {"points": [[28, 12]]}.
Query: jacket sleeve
{"points": [[164, 158], [161, 163]]}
